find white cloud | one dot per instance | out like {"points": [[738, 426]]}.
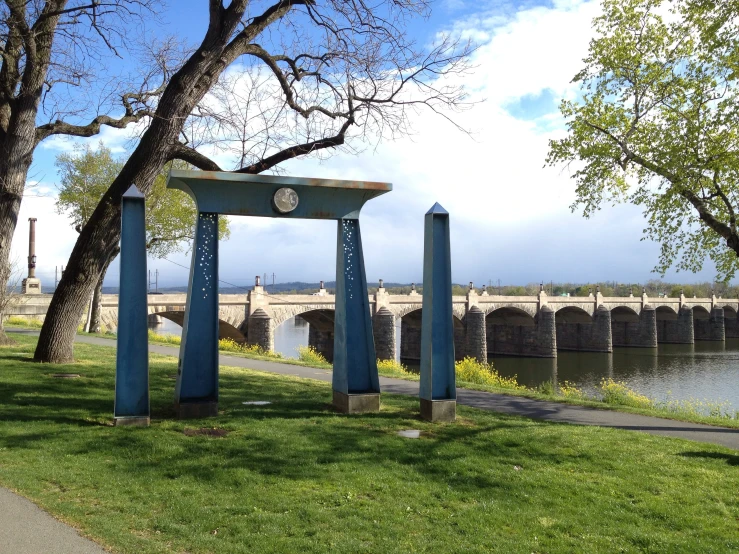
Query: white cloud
{"points": [[510, 216]]}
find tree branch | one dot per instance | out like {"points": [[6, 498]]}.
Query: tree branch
{"points": [[298, 150], [59, 127], [183, 152]]}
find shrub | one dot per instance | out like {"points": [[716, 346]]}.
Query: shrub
{"points": [[547, 387], [568, 390], [18, 321], [230, 345], [693, 407], [392, 367], [472, 371], [168, 339], [310, 355], [618, 392]]}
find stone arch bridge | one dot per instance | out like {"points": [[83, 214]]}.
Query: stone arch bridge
{"points": [[514, 325]]}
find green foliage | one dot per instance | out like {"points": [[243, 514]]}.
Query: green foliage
{"points": [[655, 124], [568, 390], [20, 321], [469, 370], [310, 355], [618, 392], [230, 345], [86, 175], [392, 368], [166, 339]]}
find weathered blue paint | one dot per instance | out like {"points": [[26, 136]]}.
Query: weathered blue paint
{"points": [[437, 323], [132, 354], [197, 374], [355, 362], [243, 194]]}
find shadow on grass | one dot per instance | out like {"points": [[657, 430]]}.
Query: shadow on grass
{"points": [[731, 459]]}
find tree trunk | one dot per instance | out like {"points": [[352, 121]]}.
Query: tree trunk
{"points": [[98, 241], [9, 206], [97, 299]]}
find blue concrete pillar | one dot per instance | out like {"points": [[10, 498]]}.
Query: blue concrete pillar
{"points": [[438, 390], [196, 394], [132, 355], [356, 383]]}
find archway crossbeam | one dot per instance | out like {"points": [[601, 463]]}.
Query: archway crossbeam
{"points": [[355, 379]]}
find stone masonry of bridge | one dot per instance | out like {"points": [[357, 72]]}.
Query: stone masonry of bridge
{"points": [[536, 326]]}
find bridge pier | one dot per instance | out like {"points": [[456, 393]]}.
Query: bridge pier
{"points": [[476, 337], [410, 336], [260, 331], [519, 337], [322, 341], [584, 336], [675, 328], [383, 329], [635, 330], [711, 328]]}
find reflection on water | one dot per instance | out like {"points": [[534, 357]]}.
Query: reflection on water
{"points": [[705, 370]]}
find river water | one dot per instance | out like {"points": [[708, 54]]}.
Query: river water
{"points": [[701, 371]]}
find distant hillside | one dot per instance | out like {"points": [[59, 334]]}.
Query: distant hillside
{"points": [[293, 287]]}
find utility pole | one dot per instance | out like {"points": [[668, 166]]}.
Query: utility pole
{"points": [[273, 281]]}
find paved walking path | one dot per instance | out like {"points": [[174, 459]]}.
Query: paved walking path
{"points": [[26, 529], [30, 530]]}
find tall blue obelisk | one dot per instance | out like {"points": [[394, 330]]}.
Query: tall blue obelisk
{"points": [[132, 356], [438, 389]]}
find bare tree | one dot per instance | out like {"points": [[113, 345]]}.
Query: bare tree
{"points": [[52, 76], [337, 70], [10, 278]]}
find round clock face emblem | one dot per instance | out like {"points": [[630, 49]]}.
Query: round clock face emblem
{"points": [[285, 199]]}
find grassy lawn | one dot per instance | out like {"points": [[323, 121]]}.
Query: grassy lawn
{"points": [[688, 411], [293, 476]]}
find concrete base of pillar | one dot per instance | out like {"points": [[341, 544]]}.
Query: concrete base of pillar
{"points": [[439, 411], [134, 421], [357, 403], [196, 410], [31, 285]]}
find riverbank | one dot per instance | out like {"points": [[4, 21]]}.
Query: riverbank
{"points": [[621, 398], [295, 476]]}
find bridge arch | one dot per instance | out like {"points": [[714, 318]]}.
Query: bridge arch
{"points": [[520, 308], [665, 313], [510, 316], [225, 329], [731, 323], [410, 335], [321, 330], [699, 312], [624, 314], [573, 314]]}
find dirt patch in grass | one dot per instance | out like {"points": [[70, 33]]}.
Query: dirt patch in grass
{"points": [[206, 431]]}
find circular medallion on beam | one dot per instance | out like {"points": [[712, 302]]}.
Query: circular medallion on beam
{"points": [[285, 200]]}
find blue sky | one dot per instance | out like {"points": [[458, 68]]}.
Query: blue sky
{"points": [[510, 216]]}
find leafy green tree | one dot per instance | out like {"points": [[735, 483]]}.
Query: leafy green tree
{"points": [[655, 124], [86, 175]]}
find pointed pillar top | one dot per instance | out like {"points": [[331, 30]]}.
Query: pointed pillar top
{"points": [[134, 193], [436, 209]]}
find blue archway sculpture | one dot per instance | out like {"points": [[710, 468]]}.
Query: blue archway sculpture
{"points": [[356, 386]]}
